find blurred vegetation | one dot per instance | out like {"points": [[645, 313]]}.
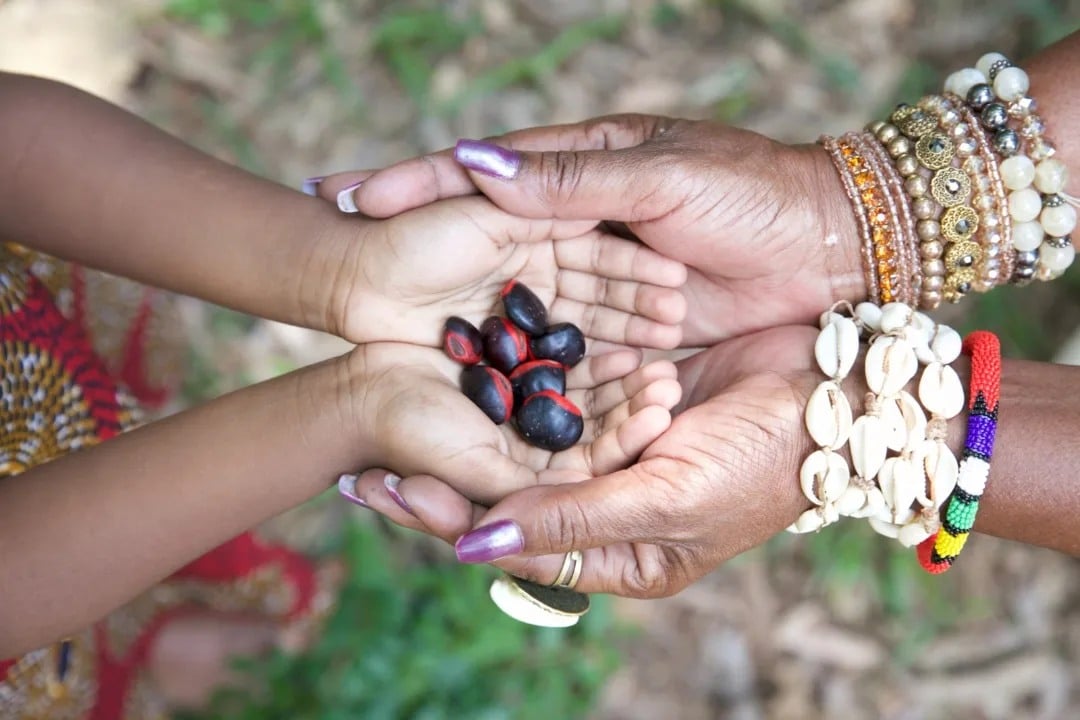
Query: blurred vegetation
{"points": [[417, 638]]}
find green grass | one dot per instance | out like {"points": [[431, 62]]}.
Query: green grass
{"points": [[421, 640]]}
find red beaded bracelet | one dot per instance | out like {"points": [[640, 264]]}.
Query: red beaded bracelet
{"points": [[937, 553]]}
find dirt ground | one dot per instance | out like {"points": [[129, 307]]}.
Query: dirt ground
{"points": [[797, 630]]}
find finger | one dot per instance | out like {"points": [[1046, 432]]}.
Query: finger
{"points": [[625, 506], [619, 447], [665, 305], [662, 393], [370, 490], [608, 256], [339, 188], [599, 369], [622, 569], [631, 185], [618, 326], [422, 180], [597, 401]]}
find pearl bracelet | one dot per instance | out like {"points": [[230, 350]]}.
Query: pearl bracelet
{"points": [[1042, 219]]}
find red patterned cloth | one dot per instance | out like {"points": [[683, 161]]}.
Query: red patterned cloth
{"points": [[72, 375]]}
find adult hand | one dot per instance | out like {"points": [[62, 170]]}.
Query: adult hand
{"points": [[419, 421], [765, 227], [721, 480]]}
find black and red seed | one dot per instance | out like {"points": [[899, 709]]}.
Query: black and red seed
{"points": [[490, 391], [525, 375], [462, 341], [505, 345], [562, 342], [549, 421], [524, 308], [535, 376]]}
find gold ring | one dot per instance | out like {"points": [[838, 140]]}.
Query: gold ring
{"points": [[570, 572]]}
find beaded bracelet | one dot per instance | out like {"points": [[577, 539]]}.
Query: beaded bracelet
{"points": [[937, 553], [983, 199], [997, 90]]}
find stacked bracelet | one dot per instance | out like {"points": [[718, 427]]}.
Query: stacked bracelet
{"points": [[937, 553], [983, 199]]}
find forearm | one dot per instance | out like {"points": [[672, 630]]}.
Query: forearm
{"points": [[1033, 494], [86, 181], [103, 524]]}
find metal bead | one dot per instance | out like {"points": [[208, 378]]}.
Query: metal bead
{"points": [[886, 133], [994, 116], [979, 96], [949, 119], [899, 146], [1059, 242], [931, 250], [1006, 142], [928, 230], [960, 131], [1027, 257], [933, 283], [875, 126], [924, 208], [933, 267], [907, 165], [930, 298], [1054, 200], [997, 67], [1023, 273], [916, 186]]}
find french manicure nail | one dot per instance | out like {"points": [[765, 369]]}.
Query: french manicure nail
{"points": [[346, 486], [391, 482], [490, 542], [346, 202], [308, 186], [488, 158]]}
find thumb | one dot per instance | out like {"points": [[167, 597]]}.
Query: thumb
{"points": [[626, 185], [556, 519]]}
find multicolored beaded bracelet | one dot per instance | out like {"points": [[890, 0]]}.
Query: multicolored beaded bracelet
{"points": [[937, 553]]}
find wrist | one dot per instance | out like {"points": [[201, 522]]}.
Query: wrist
{"points": [[328, 400], [327, 272], [839, 231]]}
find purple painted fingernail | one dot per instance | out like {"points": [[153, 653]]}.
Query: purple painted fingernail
{"points": [[346, 487], [488, 158], [308, 186], [345, 201], [391, 481], [490, 542]]}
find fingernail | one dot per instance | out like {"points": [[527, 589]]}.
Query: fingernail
{"points": [[490, 542], [345, 201], [308, 186], [346, 487], [391, 482], [488, 158]]}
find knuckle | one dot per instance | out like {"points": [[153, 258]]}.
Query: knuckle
{"points": [[568, 527], [563, 172]]}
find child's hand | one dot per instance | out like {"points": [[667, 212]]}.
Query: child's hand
{"points": [[409, 273], [421, 423]]}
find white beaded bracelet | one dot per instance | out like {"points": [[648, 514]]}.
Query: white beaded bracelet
{"points": [[1042, 214]]}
